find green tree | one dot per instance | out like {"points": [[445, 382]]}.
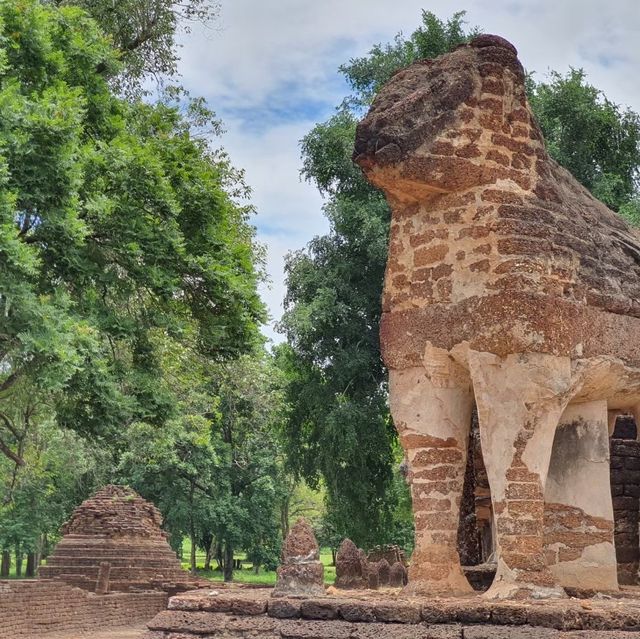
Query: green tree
{"points": [[340, 430], [116, 223], [590, 136], [59, 469], [144, 33], [216, 470]]}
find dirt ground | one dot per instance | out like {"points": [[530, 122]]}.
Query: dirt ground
{"points": [[128, 632]]}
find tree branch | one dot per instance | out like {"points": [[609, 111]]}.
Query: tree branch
{"points": [[10, 381], [10, 454], [10, 426]]}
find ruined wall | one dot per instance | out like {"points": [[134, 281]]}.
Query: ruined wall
{"points": [[253, 614], [32, 608]]}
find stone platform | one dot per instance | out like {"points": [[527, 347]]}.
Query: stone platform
{"points": [[389, 614]]}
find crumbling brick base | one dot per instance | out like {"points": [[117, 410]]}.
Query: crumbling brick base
{"points": [[32, 609]]}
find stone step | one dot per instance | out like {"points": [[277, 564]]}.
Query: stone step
{"points": [[114, 559], [116, 572]]}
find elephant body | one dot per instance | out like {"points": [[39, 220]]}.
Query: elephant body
{"points": [[509, 288]]}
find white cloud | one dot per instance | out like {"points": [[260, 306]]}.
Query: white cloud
{"points": [[269, 69], [289, 210]]}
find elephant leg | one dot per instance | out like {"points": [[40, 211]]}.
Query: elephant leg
{"points": [[431, 408], [579, 543], [520, 399]]}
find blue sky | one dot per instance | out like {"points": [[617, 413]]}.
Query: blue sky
{"points": [[269, 68]]}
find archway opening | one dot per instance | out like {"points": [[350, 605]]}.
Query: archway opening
{"points": [[475, 532]]}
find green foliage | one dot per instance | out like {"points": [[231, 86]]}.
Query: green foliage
{"points": [[340, 431], [590, 136], [144, 32], [432, 38], [217, 468], [59, 470], [248, 574], [116, 224], [630, 210], [127, 267]]}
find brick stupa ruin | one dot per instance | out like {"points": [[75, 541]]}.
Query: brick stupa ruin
{"points": [[119, 528], [511, 288]]}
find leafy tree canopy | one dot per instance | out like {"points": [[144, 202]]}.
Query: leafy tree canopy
{"points": [[116, 223], [589, 135], [216, 470], [340, 429], [144, 32]]}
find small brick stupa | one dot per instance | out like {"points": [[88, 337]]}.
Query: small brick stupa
{"points": [[118, 527]]}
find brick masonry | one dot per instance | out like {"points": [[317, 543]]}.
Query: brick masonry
{"points": [[625, 488], [118, 527], [31, 609], [510, 287]]}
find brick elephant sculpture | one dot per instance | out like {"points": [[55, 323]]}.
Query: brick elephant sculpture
{"points": [[511, 288]]}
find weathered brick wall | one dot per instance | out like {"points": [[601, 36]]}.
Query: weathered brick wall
{"points": [[32, 608], [625, 489]]}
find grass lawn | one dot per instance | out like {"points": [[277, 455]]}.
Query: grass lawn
{"points": [[247, 575]]}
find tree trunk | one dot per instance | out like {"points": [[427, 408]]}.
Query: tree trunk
{"points": [[333, 556], [5, 564], [18, 561], [192, 529], [284, 517], [207, 560], [192, 560], [31, 565], [46, 546], [228, 562]]}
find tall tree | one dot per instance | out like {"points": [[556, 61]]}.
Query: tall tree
{"points": [[116, 222], [340, 429], [216, 470], [592, 137]]}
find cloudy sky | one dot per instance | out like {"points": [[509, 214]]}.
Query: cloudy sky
{"points": [[269, 68]]}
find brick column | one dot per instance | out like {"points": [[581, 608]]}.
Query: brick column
{"points": [[520, 399]]}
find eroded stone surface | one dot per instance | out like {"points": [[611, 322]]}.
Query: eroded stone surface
{"points": [[367, 614], [301, 572], [397, 575], [383, 572], [508, 286], [350, 566]]}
